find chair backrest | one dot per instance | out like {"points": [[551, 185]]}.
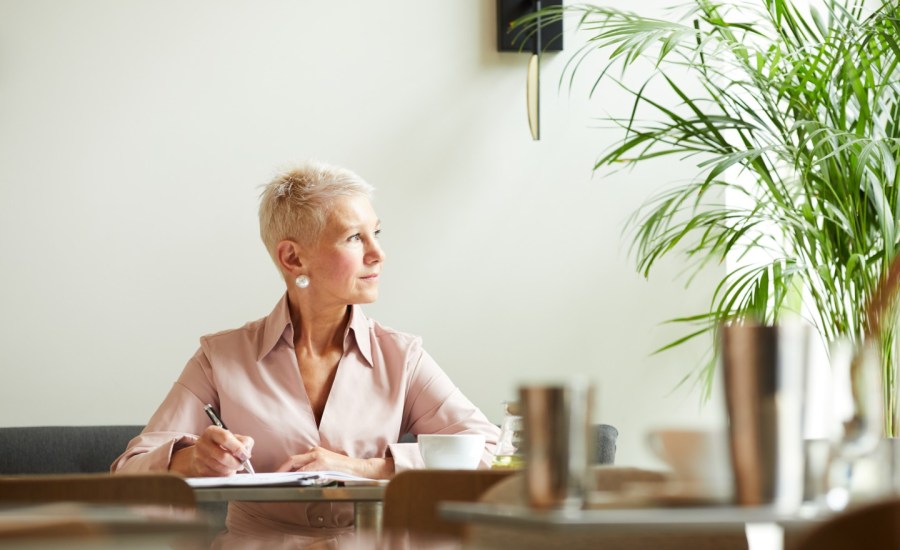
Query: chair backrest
{"points": [[155, 489], [62, 449], [410, 500], [874, 525]]}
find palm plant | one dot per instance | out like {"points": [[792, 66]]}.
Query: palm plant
{"points": [[792, 117]]}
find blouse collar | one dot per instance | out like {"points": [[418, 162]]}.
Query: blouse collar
{"points": [[278, 327]]}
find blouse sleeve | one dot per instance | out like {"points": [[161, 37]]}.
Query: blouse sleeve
{"points": [[175, 424], [434, 405]]}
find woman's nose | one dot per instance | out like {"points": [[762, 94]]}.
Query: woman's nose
{"points": [[376, 253]]}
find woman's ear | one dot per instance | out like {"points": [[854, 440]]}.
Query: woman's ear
{"points": [[289, 256]]}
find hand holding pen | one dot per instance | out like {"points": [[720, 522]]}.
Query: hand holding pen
{"points": [[242, 454]]}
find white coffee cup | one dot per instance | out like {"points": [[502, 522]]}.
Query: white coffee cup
{"points": [[699, 458], [451, 451]]}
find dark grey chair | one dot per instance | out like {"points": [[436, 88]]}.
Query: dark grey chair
{"points": [[603, 443], [62, 449]]}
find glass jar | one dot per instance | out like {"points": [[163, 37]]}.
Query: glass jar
{"points": [[509, 454]]}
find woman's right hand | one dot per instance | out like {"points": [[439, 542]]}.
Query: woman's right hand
{"points": [[217, 453]]}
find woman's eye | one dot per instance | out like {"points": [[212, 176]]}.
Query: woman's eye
{"points": [[377, 233], [355, 237]]}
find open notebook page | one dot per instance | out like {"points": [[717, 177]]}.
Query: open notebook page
{"points": [[272, 479]]}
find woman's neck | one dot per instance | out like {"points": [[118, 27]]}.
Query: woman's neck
{"points": [[318, 331]]}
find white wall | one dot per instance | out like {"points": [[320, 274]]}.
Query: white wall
{"points": [[134, 136]]}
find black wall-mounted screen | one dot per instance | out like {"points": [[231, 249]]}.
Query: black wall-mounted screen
{"points": [[512, 41]]}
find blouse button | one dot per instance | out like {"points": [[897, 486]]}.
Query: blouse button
{"points": [[320, 519]]}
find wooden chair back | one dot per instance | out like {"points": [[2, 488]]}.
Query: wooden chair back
{"points": [[411, 498], [156, 489], [874, 525]]}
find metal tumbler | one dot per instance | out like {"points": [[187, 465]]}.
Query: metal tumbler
{"points": [[556, 443], [764, 371]]}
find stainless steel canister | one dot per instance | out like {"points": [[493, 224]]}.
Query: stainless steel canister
{"points": [[556, 419], [764, 371]]}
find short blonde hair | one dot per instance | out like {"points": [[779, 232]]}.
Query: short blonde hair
{"points": [[294, 206]]}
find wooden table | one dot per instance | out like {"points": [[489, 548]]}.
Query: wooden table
{"points": [[629, 521], [68, 525], [622, 519]]}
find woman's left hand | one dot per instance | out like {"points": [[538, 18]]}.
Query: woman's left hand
{"points": [[319, 459]]}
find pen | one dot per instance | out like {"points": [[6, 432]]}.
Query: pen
{"points": [[214, 416]]}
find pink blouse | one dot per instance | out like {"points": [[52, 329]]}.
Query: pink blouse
{"points": [[386, 385]]}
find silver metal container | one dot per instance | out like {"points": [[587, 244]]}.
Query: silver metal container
{"points": [[764, 371], [556, 419]]}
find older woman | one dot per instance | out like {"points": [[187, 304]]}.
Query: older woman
{"points": [[315, 385]]}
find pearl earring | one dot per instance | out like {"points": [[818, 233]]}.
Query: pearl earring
{"points": [[302, 281]]}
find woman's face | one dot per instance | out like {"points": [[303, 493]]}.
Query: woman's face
{"points": [[345, 264]]}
